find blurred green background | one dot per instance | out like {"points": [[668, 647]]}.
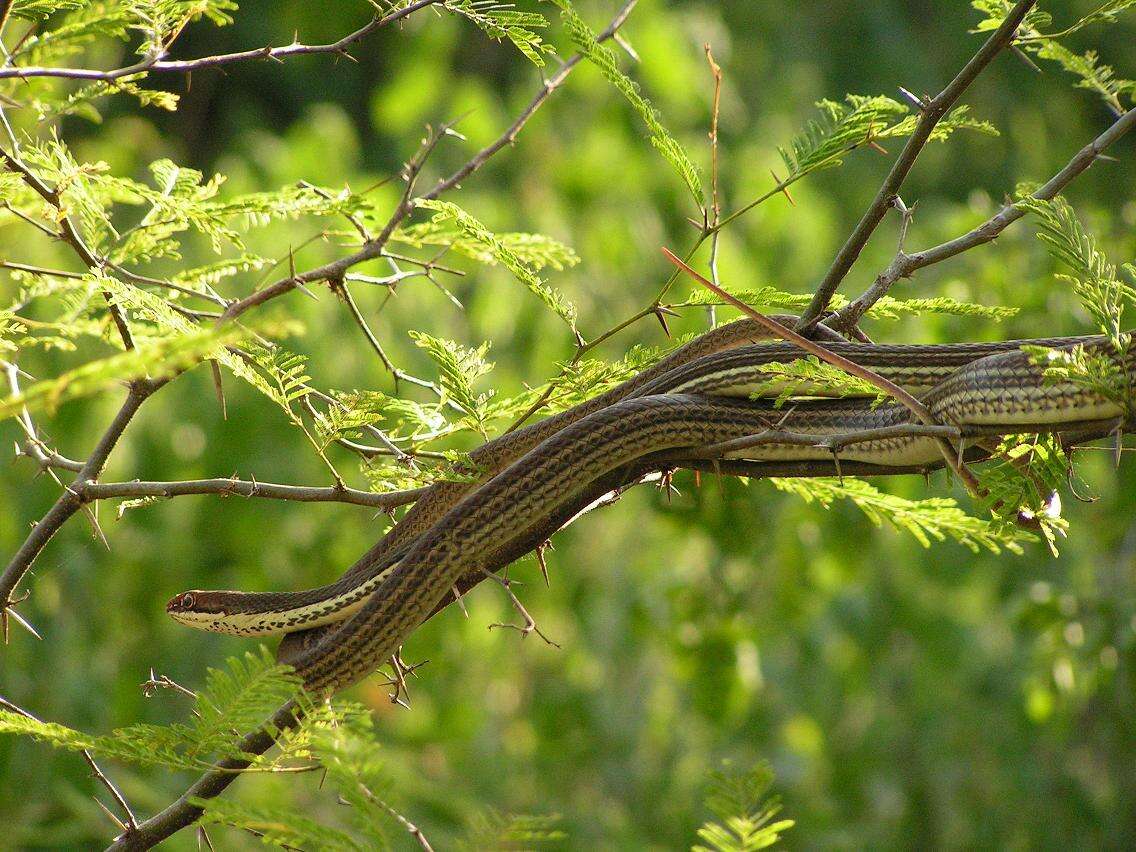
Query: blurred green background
{"points": [[905, 697]]}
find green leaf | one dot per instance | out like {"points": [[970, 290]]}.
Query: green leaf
{"points": [[160, 358], [534, 250], [604, 59], [459, 367], [843, 127], [1093, 75], [935, 518], [996, 11], [503, 21], [809, 376], [1030, 470], [1031, 38], [1094, 279], [233, 702], [739, 800], [283, 827], [493, 830], [887, 307], [477, 234]]}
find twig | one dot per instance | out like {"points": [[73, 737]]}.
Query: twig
{"points": [[154, 62], [92, 491], [932, 112], [69, 501], [130, 823], [715, 200], [34, 448], [530, 623], [156, 682], [412, 829], [510, 135], [904, 265]]}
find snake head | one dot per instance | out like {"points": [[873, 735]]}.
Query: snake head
{"points": [[196, 601]]}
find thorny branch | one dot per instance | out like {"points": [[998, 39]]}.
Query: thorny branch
{"points": [[70, 501], [905, 265], [232, 486], [127, 822], [932, 112], [156, 61], [69, 233]]}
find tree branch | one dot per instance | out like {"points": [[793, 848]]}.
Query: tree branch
{"points": [[932, 112], [70, 501], [154, 62], [904, 265], [181, 812], [225, 487], [337, 269], [69, 233]]}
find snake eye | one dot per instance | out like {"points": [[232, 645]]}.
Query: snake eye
{"points": [[182, 602]]}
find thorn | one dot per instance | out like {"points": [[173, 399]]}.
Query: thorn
{"points": [[458, 599], [540, 548], [911, 99], [661, 313], [784, 189], [618, 38], [1021, 54], [877, 147], [23, 622], [296, 282], [219, 389], [121, 825]]}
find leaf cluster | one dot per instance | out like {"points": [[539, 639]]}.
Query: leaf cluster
{"points": [[746, 815], [1034, 39]]}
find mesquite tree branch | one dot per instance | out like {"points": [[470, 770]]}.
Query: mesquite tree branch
{"points": [[227, 486], [932, 112], [905, 265], [155, 62], [337, 269], [69, 502]]}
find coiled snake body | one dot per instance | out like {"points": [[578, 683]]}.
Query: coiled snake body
{"points": [[698, 396]]}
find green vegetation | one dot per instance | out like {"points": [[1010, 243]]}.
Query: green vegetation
{"points": [[344, 261]]}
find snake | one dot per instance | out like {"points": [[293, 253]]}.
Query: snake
{"points": [[973, 385], [1007, 391]]}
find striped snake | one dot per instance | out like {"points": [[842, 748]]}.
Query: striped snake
{"points": [[687, 401]]}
